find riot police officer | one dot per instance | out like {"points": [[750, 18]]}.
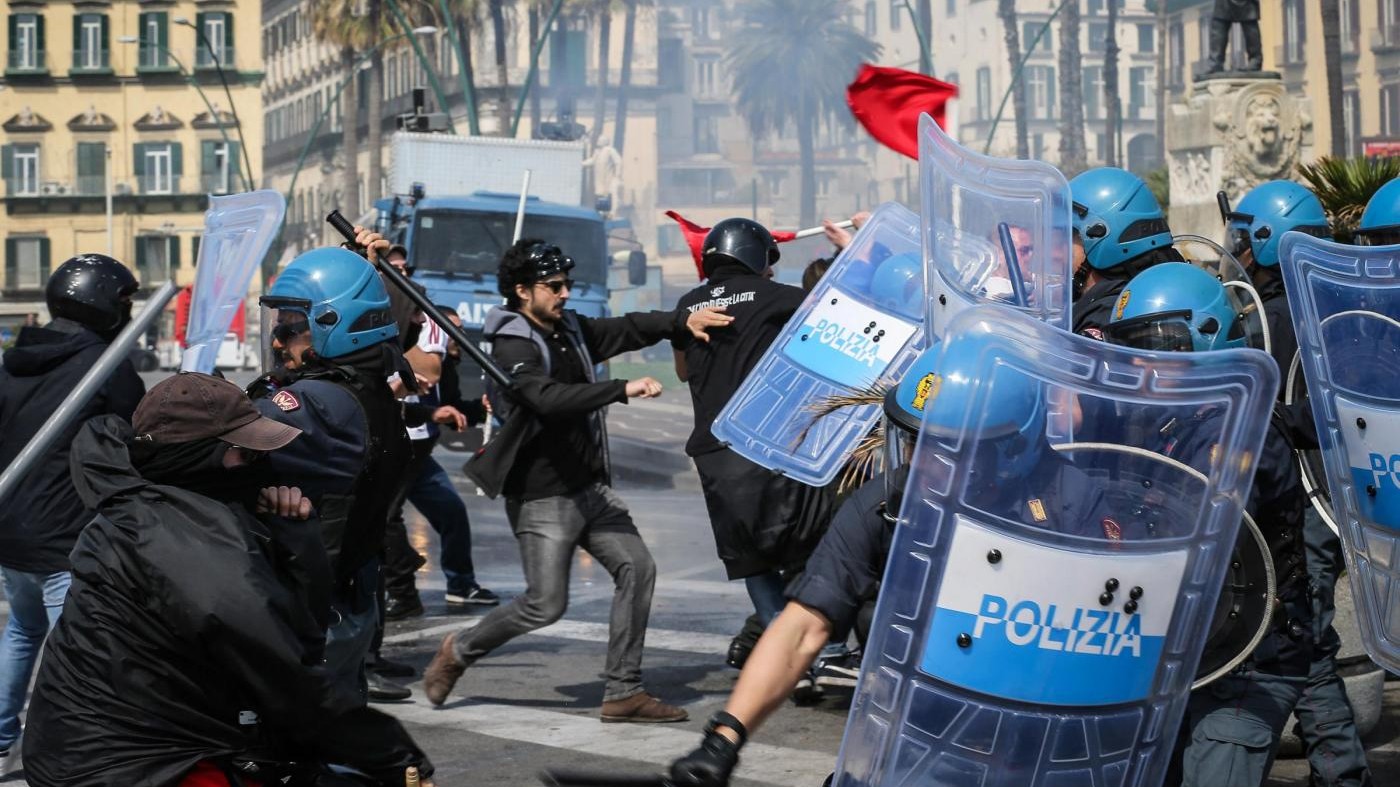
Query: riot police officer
{"points": [[1122, 231], [843, 575], [1233, 724], [1380, 222], [336, 344]]}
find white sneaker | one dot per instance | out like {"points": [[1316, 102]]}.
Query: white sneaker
{"points": [[8, 758]]}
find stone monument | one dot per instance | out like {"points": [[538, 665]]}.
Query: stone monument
{"points": [[1235, 130]]}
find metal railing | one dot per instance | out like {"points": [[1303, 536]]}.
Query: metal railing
{"points": [[91, 185], [25, 60], [220, 56], [21, 187], [217, 183], [92, 61], [152, 57], [158, 184]]}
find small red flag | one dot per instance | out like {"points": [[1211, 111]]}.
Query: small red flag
{"points": [[695, 238], [888, 102]]}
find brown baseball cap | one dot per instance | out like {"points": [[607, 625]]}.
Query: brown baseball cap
{"points": [[192, 406]]}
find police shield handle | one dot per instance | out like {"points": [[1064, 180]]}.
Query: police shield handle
{"points": [[96, 377], [400, 282]]}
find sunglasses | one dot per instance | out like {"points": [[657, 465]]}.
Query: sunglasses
{"points": [[286, 331], [556, 286]]}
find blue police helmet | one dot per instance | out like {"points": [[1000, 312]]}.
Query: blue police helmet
{"points": [[1175, 306], [936, 391], [1382, 214], [1117, 217], [1269, 210], [342, 296], [898, 283]]}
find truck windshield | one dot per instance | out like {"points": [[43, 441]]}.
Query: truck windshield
{"points": [[470, 243]]}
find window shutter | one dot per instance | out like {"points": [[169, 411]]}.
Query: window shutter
{"points": [[39, 27], [141, 260], [235, 162], [164, 18], [14, 34], [7, 153], [173, 243], [77, 38], [43, 259], [206, 158], [103, 40], [199, 31], [1050, 105], [11, 261], [177, 161], [194, 248], [228, 31], [138, 159]]}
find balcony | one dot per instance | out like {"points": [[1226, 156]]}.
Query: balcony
{"points": [[216, 183], [1140, 112], [92, 63], [22, 187], [1288, 55], [221, 56], [1386, 39], [154, 60], [157, 184], [91, 185], [20, 62]]}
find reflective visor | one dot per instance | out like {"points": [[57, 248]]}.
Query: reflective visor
{"points": [[1169, 331], [1237, 241]]}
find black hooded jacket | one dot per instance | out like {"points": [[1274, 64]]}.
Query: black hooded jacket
{"points": [[184, 639], [41, 520]]}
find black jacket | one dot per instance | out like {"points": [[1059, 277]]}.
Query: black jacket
{"points": [[41, 520], [179, 622], [538, 397]]}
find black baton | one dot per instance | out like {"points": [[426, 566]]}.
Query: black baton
{"points": [[400, 281]]}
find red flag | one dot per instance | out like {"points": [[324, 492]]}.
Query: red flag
{"points": [[695, 238], [888, 102]]}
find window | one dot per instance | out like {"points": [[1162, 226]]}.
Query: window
{"points": [[215, 43], [155, 41], [773, 180], [26, 42], [700, 22], [897, 13], [1294, 31], [706, 76], [158, 167], [90, 42], [952, 8], [1389, 12], [1093, 93], [984, 93], [26, 263], [1390, 110], [1350, 13], [21, 170], [1176, 54], [92, 168], [824, 181], [1098, 36], [218, 170], [1030, 31], [706, 134], [156, 257], [1147, 38], [1351, 121], [1141, 92], [1041, 93], [870, 18]]}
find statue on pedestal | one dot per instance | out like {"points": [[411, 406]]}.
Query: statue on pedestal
{"points": [[1226, 14]]}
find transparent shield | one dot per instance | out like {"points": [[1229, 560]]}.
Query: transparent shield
{"points": [[238, 230], [1346, 309], [1314, 473], [1046, 603], [1211, 257], [859, 328], [994, 231]]}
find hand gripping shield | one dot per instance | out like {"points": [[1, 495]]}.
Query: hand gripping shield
{"points": [[987, 219], [1346, 308], [1040, 623], [860, 326], [238, 230]]}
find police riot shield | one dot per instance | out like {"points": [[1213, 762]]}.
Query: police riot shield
{"points": [[238, 230], [1313, 472], [1211, 257], [860, 327], [1045, 604], [1345, 302], [994, 230]]}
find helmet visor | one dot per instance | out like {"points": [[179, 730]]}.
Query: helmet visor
{"points": [[1165, 331], [283, 324], [1237, 240]]}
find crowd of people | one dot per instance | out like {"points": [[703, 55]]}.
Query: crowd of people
{"points": [[212, 567]]}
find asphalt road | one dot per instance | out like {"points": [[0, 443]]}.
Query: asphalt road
{"points": [[533, 704]]}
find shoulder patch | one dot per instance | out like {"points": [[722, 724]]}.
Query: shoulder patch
{"points": [[286, 401]]}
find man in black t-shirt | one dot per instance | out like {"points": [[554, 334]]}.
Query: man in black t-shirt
{"points": [[764, 523]]}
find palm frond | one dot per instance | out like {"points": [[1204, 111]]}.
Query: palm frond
{"points": [[1345, 186], [868, 458]]}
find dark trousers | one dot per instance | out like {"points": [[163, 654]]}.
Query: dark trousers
{"points": [[1220, 37], [432, 492]]}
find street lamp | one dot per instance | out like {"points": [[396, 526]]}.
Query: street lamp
{"points": [[218, 65], [189, 78]]}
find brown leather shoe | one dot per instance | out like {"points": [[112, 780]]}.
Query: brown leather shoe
{"points": [[641, 708], [442, 672]]}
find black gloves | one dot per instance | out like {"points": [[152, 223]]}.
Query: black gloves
{"points": [[712, 763], [707, 766]]}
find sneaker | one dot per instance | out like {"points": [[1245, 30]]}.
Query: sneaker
{"points": [[382, 689], [806, 691], [7, 760], [390, 669], [641, 708], [841, 670], [442, 672], [402, 607], [477, 596]]}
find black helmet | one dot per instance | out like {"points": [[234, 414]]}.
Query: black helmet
{"points": [[740, 240], [89, 289]]}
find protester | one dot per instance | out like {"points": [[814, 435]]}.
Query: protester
{"points": [[89, 298], [550, 460], [196, 578]]}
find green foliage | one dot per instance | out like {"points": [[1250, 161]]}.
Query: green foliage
{"points": [[1345, 186], [1160, 182]]}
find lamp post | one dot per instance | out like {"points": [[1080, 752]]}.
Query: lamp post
{"points": [[189, 78], [232, 107]]}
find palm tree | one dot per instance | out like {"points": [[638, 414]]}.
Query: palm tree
{"points": [[498, 32], [1073, 154], [380, 26], [624, 82], [465, 17], [1113, 104], [603, 11], [335, 22], [790, 63], [1006, 9], [1344, 186], [1332, 60]]}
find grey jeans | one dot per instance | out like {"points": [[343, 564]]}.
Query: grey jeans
{"points": [[548, 529]]}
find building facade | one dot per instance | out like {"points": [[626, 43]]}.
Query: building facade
{"points": [[121, 104]]}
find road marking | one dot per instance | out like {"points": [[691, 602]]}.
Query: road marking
{"points": [[582, 631], [643, 743]]}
